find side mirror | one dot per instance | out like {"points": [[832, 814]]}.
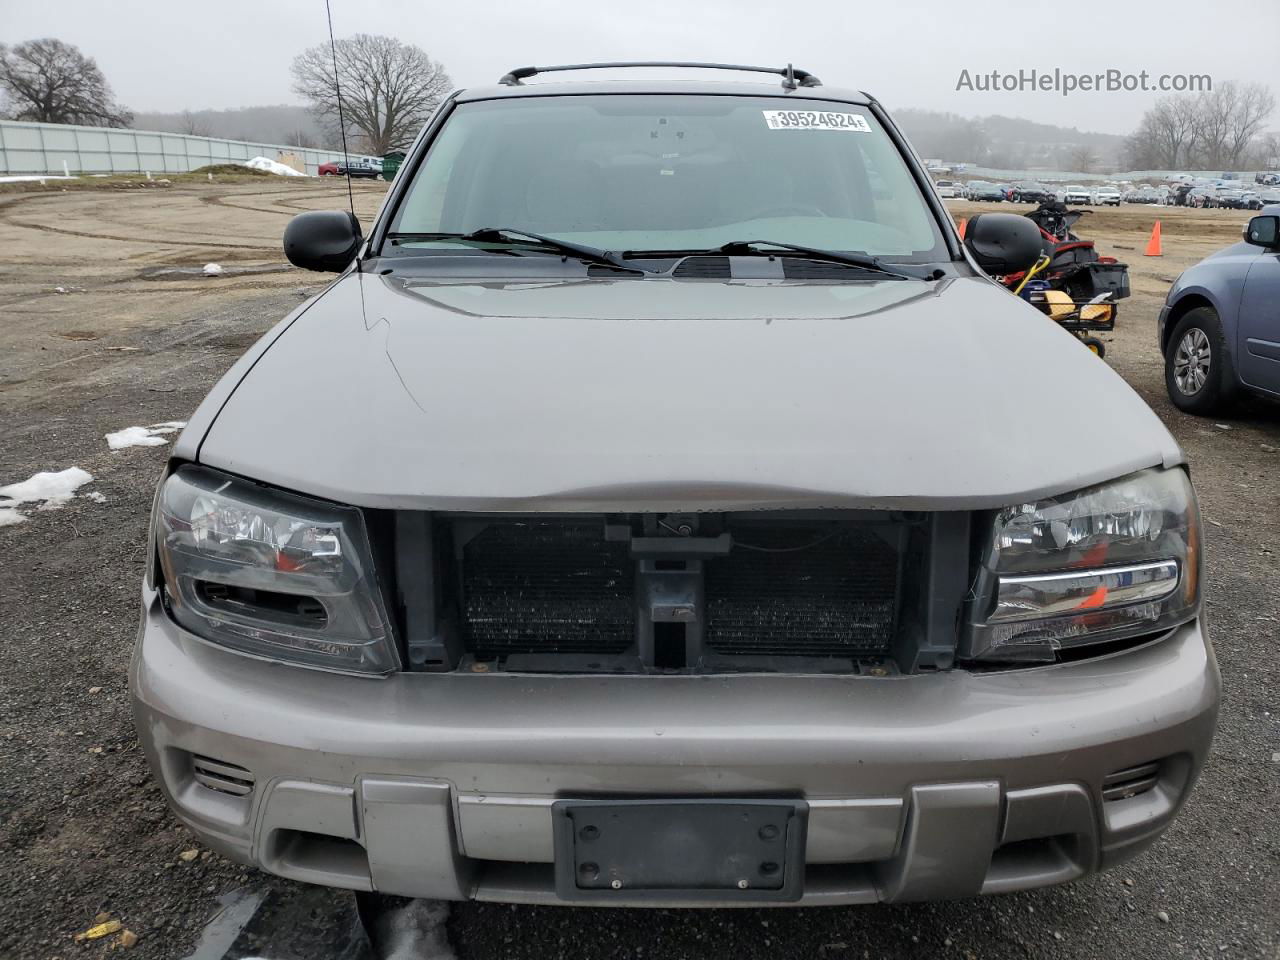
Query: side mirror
{"points": [[325, 240], [1263, 232], [1003, 243]]}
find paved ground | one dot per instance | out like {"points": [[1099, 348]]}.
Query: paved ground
{"points": [[83, 830]]}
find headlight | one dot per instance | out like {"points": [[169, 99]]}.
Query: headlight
{"points": [[271, 574], [1113, 561]]}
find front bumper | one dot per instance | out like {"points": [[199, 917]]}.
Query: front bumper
{"points": [[441, 785]]}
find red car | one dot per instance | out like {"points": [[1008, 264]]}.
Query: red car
{"points": [[357, 168]]}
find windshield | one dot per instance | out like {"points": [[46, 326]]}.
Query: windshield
{"points": [[670, 172]]}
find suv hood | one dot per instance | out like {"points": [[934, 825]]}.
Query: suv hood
{"points": [[638, 395]]}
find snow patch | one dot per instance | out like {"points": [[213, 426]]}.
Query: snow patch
{"points": [[49, 489], [133, 437], [272, 166], [33, 178], [47, 486], [212, 269], [152, 436]]}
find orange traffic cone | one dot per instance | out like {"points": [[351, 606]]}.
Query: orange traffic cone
{"points": [[963, 223], [1153, 245]]}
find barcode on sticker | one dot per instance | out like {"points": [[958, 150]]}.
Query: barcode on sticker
{"points": [[815, 120]]}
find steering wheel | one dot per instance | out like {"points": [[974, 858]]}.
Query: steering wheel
{"points": [[785, 210]]}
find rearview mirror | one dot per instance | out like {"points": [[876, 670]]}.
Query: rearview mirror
{"points": [[1003, 243], [1263, 232], [325, 240]]}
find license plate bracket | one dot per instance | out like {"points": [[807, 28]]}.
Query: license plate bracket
{"points": [[680, 850]]}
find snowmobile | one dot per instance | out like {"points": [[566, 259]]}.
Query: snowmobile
{"points": [[1071, 283]]}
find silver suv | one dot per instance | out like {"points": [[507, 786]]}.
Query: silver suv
{"points": [[663, 506]]}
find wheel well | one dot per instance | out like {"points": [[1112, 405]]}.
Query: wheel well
{"points": [[1180, 310]]}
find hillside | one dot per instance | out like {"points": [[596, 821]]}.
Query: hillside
{"points": [[272, 124], [998, 141]]}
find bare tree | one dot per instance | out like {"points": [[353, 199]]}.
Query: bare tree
{"points": [[1269, 150], [301, 138], [1173, 125], [389, 88], [1253, 107], [193, 126], [1216, 129], [53, 82], [1141, 150], [1082, 158], [1213, 111]]}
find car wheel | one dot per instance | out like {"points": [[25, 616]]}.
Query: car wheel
{"points": [[1197, 367]]}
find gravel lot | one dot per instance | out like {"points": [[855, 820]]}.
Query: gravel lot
{"points": [[135, 340]]}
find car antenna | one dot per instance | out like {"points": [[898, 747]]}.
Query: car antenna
{"points": [[342, 124]]}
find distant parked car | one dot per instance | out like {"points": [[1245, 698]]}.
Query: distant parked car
{"points": [[1105, 196], [1230, 199], [1029, 191], [982, 190], [1073, 193], [948, 189], [1147, 195], [1219, 329], [357, 167], [1201, 197]]}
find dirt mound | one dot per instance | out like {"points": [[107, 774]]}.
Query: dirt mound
{"points": [[224, 168]]}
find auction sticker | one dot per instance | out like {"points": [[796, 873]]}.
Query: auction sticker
{"points": [[815, 120]]}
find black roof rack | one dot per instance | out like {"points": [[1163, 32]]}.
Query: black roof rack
{"points": [[791, 76]]}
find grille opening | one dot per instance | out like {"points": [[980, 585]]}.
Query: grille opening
{"points": [[791, 591], [262, 604], [806, 590], [669, 652], [546, 587], [229, 778], [1130, 782]]}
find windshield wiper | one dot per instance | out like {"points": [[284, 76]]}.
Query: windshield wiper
{"points": [[510, 234], [756, 248], [739, 247]]}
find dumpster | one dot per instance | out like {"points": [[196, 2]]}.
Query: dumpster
{"points": [[391, 163]]}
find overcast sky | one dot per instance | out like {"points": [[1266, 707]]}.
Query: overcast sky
{"points": [[192, 54]]}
